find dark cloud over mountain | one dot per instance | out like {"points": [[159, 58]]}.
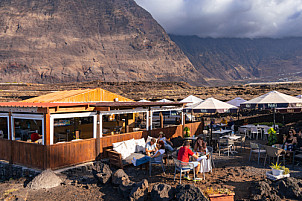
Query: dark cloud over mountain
{"points": [[228, 18]]}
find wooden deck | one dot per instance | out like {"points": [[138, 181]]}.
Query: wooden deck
{"points": [[72, 153]]}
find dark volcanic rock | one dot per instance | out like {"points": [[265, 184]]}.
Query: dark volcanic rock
{"points": [[101, 172], [189, 193], [59, 41], [287, 188], [126, 188], [162, 192], [140, 191], [120, 177]]}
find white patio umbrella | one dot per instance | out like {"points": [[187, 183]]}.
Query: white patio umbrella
{"points": [[273, 99], [212, 105], [144, 100], [236, 101], [191, 100], [164, 100]]}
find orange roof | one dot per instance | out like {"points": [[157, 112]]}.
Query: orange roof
{"points": [[78, 96], [41, 105]]}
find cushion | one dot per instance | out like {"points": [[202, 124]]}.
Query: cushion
{"points": [[140, 145], [122, 149], [127, 160], [130, 144]]}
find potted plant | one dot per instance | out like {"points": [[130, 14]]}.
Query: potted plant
{"points": [[187, 132], [277, 169], [272, 138], [219, 194]]}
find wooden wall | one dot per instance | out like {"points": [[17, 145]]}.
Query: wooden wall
{"points": [[28, 154], [71, 153], [5, 149]]}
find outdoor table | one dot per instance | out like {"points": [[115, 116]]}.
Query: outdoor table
{"points": [[232, 137], [248, 126], [202, 160], [221, 132], [190, 138]]}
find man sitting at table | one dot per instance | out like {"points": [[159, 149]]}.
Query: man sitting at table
{"points": [[184, 154], [151, 147]]}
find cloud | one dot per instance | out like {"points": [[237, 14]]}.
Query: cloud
{"points": [[228, 18]]}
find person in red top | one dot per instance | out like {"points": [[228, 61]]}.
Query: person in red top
{"points": [[35, 136], [184, 154]]}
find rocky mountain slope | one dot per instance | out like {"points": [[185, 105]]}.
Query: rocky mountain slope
{"points": [[46, 41], [231, 59]]}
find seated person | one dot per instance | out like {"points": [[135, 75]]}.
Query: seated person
{"points": [[156, 157], [184, 154], [224, 121], [200, 146], [167, 143], [151, 147], [290, 139], [35, 136]]}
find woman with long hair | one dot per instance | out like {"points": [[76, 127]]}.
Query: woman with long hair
{"points": [[156, 157], [200, 146]]}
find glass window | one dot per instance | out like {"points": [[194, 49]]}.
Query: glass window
{"points": [[76, 128], [28, 130], [3, 128]]}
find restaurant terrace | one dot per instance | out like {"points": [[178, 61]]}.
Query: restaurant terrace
{"points": [[76, 126]]}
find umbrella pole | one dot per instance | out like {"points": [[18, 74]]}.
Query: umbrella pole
{"points": [[274, 115]]}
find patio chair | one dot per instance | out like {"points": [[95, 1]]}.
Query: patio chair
{"points": [[256, 149], [241, 142], [152, 162], [244, 132], [223, 144], [255, 132], [274, 153], [183, 167], [265, 132]]}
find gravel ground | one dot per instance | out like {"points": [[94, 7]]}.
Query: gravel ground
{"points": [[234, 172]]}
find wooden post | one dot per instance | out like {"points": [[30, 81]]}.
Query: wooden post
{"points": [[11, 138], [46, 163], [161, 119], [98, 134]]}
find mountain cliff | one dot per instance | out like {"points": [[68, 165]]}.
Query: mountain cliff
{"points": [[46, 41], [242, 59]]}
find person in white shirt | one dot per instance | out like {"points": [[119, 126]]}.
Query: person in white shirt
{"points": [[151, 147], [156, 157]]}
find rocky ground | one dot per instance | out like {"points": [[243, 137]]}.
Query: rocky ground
{"points": [[148, 90], [246, 179]]}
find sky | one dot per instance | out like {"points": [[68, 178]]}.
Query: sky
{"points": [[228, 18]]}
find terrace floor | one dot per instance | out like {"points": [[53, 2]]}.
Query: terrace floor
{"points": [[234, 172]]}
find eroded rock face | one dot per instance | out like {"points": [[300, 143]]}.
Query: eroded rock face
{"points": [[59, 41], [101, 172]]}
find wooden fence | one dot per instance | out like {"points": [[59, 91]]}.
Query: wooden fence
{"points": [[71, 153]]}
